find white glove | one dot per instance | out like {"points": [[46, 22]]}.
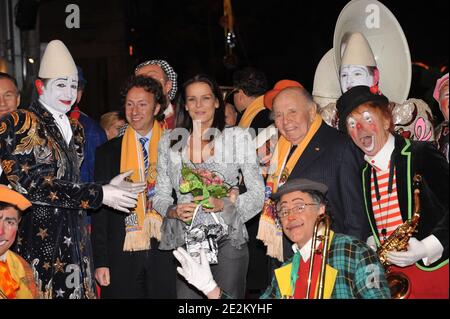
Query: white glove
{"points": [[119, 199], [371, 243], [198, 275], [120, 182], [416, 251]]}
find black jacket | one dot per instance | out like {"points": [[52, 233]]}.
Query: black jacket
{"points": [[108, 225], [410, 158]]}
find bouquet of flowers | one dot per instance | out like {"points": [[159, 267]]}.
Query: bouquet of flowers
{"points": [[205, 229], [201, 182]]}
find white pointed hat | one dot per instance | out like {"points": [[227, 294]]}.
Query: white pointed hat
{"points": [[358, 51], [57, 61], [326, 87]]}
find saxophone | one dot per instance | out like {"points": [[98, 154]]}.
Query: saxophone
{"points": [[399, 283]]}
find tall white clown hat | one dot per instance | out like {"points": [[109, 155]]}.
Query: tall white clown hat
{"points": [[326, 87], [386, 40], [57, 62], [358, 51]]}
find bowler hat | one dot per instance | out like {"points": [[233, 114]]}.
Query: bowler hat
{"points": [[299, 184]]}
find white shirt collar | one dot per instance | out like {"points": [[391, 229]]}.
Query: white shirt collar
{"points": [[382, 158], [305, 251], [148, 135], [56, 113], [3, 257], [62, 122]]}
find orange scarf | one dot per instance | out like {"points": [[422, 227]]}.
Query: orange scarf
{"points": [[251, 111], [16, 278], [269, 231], [8, 286], [144, 223]]}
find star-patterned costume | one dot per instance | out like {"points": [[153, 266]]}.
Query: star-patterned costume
{"points": [[40, 165]]}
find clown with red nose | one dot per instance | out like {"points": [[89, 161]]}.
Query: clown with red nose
{"points": [[387, 178]]}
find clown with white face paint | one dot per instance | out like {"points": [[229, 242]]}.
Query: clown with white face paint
{"points": [[41, 151], [57, 96], [392, 161], [359, 68], [60, 94], [354, 75], [358, 65]]}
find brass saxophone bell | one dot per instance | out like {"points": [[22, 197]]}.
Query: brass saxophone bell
{"points": [[399, 285]]}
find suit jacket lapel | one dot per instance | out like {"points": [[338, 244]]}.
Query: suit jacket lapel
{"points": [[366, 176], [74, 155], [403, 174], [50, 124], [314, 149]]}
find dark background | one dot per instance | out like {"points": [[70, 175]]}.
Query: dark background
{"points": [[284, 38]]}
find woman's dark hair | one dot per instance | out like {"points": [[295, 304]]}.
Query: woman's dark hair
{"points": [[183, 120], [151, 86]]}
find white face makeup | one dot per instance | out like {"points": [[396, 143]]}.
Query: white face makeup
{"points": [[354, 75], [368, 129], [61, 93]]}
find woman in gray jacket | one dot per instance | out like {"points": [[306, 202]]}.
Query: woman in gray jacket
{"points": [[206, 145]]}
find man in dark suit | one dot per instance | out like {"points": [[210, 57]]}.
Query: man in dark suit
{"points": [[127, 261], [324, 155]]}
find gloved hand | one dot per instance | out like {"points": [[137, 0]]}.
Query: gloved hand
{"points": [[416, 251], [118, 198], [198, 275], [120, 182], [371, 243]]}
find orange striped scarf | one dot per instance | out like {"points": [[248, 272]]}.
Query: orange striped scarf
{"points": [[269, 231], [144, 223]]}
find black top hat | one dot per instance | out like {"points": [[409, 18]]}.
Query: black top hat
{"points": [[353, 98]]}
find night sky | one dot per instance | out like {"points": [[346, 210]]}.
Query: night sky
{"points": [[284, 38]]}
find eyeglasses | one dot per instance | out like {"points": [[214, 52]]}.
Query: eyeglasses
{"points": [[297, 209]]}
